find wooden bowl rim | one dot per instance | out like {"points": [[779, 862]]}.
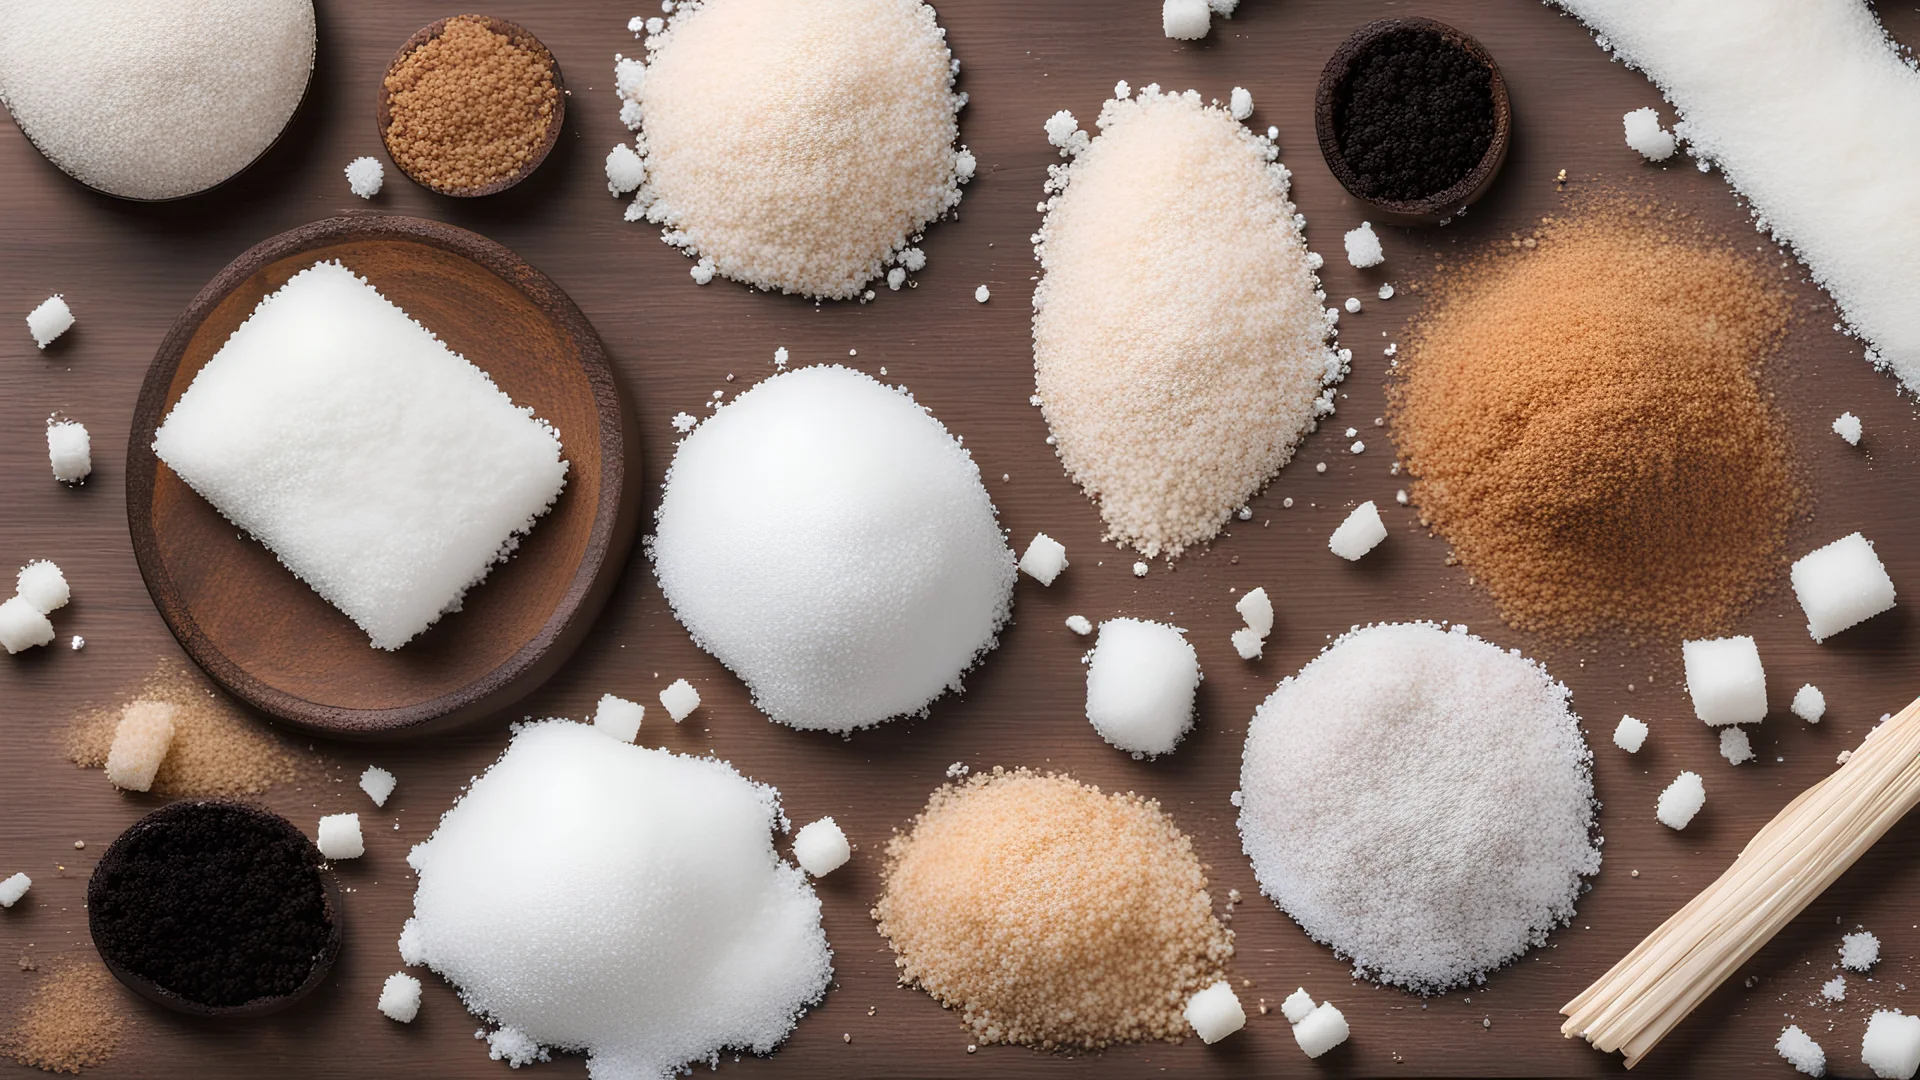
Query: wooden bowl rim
{"points": [[605, 547], [383, 104], [1441, 204]]}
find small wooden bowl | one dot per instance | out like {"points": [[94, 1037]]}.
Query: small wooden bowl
{"points": [[383, 108], [1440, 206], [267, 637]]}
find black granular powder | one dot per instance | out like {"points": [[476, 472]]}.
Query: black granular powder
{"points": [[218, 902], [1414, 116]]}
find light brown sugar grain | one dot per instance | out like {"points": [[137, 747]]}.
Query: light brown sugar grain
{"points": [[470, 107], [75, 1019]]}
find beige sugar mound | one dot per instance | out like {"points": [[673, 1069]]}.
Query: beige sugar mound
{"points": [[798, 147], [1179, 334], [75, 1019], [1050, 914]]}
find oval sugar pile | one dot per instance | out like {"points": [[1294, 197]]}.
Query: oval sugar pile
{"points": [[589, 894], [1420, 800], [832, 544]]}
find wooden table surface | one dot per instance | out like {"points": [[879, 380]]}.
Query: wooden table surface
{"points": [[129, 269]]}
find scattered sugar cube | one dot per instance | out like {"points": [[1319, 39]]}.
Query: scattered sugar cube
{"points": [[1726, 681], [1891, 1047], [1859, 952], [1809, 703], [1630, 734], [820, 847], [680, 699], [400, 997], [1645, 134], [140, 743], [1239, 106], [1045, 558], [1079, 624], [1847, 426], [340, 837], [365, 175], [23, 626], [1801, 1051], [1185, 20], [1681, 800], [1141, 678], [1360, 533], [1297, 1006], [1248, 644], [1215, 1012], [1257, 610], [1834, 989], [377, 783], [41, 584], [1363, 246], [12, 889], [1323, 1029], [70, 451], [48, 321], [1735, 745], [625, 171], [982, 295], [1840, 585], [619, 718]]}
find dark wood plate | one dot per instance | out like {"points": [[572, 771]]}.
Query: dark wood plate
{"points": [[269, 638]]}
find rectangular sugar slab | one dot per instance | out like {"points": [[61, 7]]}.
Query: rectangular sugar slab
{"points": [[381, 467]]}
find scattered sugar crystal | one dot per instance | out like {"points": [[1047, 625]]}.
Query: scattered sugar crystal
{"points": [[619, 719], [70, 450], [140, 743], [1323, 1029], [510, 1044], [377, 783], [679, 699], [1735, 746], [1248, 643], [1141, 680], [684, 422], [1363, 246], [1840, 585], [1834, 989], [1681, 800], [1859, 951], [1297, 1006], [1725, 680], [1140, 569], [1358, 447], [23, 626], [12, 889], [1360, 533], [1645, 134], [820, 847], [1630, 734], [1185, 20], [1847, 426], [1257, 610], [365, 175], [79, 643], [1809, 703], [1891, 1046], [400, 997], [48, 321], [1239, 106], [1800, 1051], [1215, 1012], [1386, 292], [1353, 305], [1045, 558], [780, 356], [1079, 624], [982, 295], [382, 468], [339, 837], [625, 170], [41, 584]]}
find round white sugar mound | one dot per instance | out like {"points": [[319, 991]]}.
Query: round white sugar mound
{"points": [[829, 541], [1421, 801], [1141, 679], [800, 146], [591, 895], [1179, 350], [155, 99]]}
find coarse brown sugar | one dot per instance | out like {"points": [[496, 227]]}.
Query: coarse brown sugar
{"points": [[470, 107], [74, 1020]]}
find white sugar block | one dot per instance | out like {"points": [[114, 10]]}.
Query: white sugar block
{"points": [[48, 321], [1257, 610], [1809, 703], [1215, 1012], [619, 718], [679, 699], [1045, 558], [1248, 644], [625, 170], [1645, 135], [1891, 1047], [400, 997], [1360, 533], [1323, 1029], [23, 626], [1725, 679], [1239, 106], [1801, 1051], [41, 584], [1141, 680], [381, 467], [70, 451], [820, 847], [1840, 585], [378, 784], [1847, 426], [365, 176], [1681, 800], [1079, 624], [1859, 952], [1185, 20], [1363, 246], [340, 837], [1630, 734], [140, 743], [1735, 745], [12, 889], [1297, 1006]]}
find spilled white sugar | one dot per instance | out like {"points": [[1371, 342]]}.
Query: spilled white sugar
{"points": [[1834, 989], [625, 171], [1141, 680], [1645, 135], [23, 626], [1725, 680], [1421, 801], [1840, 585], [1735, 745], [51, 318], [1809, 703], [624, 901], [1044, 559], [1363, 246], [1847, 426], [679, 699], [617, 718], [1859, 951], [1360, 533], [1079, 624], [70, 451], [339, 837], [1297, 1006], [381, 467], [1215, 1012], [831, 542], [13, 888], [821, 847]]}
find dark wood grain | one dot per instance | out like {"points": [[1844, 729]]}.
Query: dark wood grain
{"points": [[129, 271]]}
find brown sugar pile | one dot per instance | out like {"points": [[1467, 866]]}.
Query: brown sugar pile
{"points": [[1049, 914], [469, 107], [1583, 421], [73, 1021]]}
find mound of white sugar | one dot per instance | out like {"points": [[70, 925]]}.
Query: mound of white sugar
{"points": [[1179, 337], [1630, 734], [1044, 559], [1216, 1012], [1645, 134], [627, 902], [1800, 1051], [1141, 681], [1681, 800], [12, 889], [1360, 533], [1421, 801], [365, 175], [381, 467], [41, 584], [155, 99], [1841, 585], [829, 541], [1725, 679], [625, 170], [1363, 246], [70, 451], [378, 783], [400, 997], [1809, 703], [1798, 104], [1834, 989], [1847, 426], [1185, 20], [49, 320], [1735, 745], [800, 147], [1891, 1046], [820, 847], [1859, 951]]}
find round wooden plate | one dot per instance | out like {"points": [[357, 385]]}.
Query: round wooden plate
{"points": [[269, 638]]}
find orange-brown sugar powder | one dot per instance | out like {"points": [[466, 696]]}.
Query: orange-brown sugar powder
{"points": [[470, 107]]}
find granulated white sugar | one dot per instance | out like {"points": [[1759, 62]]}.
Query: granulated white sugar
{"points": [[1421, 801], [155, 99], [1680, 800], [400, 997], [384, 469], [1178, 336], [627, 902], [1859, 951], [1257, 610], [1797, 104], [1645, 134], [1847, 426], [70, 451], [800, 147], [831, 542], [365, 175], [1891, 1046], [339, 837], [1247, 643], [1141, 680], [23, 626], [1735, 745], [41, 584], [1800, 1051], [12, 889], [1809, 703], [378, 783], [1363, 246], [1630, 734], [49, 320]]}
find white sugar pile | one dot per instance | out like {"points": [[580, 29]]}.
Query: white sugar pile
{"points": [[1801, 1051], [828, 540], [1363, 246], [1179, 337], [70, 451], [1645, 134], [1141, 680], [400, 997], [1421, 801], [365, 176], [799, 147], [381, 467], [1809, 703], [628, 902], [155, 99], [1809, 110], [1859, 951], [1680, 800]]}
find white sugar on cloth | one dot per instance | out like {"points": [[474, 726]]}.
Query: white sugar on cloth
{"points": [[49, 320], [365, 175], [592, 896], [381, 467], [1645, 134], [1179, 350], [1141, 681], [70, 451], [1421, 801], [828, 540]]}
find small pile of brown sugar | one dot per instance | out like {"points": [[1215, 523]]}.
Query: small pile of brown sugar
{"points": [[470, 107], [1583, 420], [73, 1021], [1049, 914]]}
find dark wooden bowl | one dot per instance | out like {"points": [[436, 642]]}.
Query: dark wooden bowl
{"points": [[270, 639], [383, 108], [1440, 206]]}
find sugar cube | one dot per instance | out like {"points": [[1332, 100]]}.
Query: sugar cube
{"points": [[377, 783], [1891, 1047], [1297, 1006], [1630, 734], [1045, 558], [12, 889], [1801, 1051], [1645, 134], [619, 718], [1859, 952], [1363, 246], [1840, 585], [23, 626], [1681, 800], [1735, 745], [1834, 989], [1847, 426], [1809, 703], [70, 451], [1215, 1012], [1185, 20], [1257, 610], [820, 847], [48, 321], [1141, 679], [41, 584], [1360, 533], [1079, 624], [1323, 1029], [1239, 106], [140, 743], [680, 699], [1247, 643], [1725, 679], [400, 997], [340, 837]]}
